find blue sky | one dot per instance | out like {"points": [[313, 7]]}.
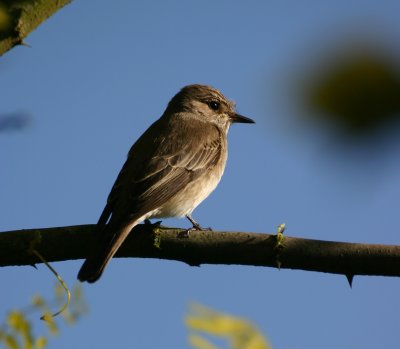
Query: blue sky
{"points": [[96, 77]]}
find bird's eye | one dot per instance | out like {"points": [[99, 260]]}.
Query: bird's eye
{"points": [[214, 105]]}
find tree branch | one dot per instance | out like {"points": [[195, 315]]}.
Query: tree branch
{"points": [[205, 247], [20, 17]]}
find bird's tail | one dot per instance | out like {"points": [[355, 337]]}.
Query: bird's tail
{"points": [[105, 248]]}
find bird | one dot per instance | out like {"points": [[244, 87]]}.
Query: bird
{"points": [[176, 163]]}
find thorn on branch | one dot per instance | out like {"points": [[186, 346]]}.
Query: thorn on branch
{"points": [[350, 278]]}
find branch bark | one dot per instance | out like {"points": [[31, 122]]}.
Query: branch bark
{"points": [[18, 18], [205, 247]]}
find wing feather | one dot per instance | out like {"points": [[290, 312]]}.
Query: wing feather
{"points": [[157, 169]]}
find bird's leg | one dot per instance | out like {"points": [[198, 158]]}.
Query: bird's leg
{"points": [[196, 226]]}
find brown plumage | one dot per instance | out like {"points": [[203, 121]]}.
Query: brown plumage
{"points": [[170, 169]]}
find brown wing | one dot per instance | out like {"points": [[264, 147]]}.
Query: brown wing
{"points": [[156, 169], [162, 162]]}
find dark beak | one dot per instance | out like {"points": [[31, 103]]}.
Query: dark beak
{"points": [[237, 118]]}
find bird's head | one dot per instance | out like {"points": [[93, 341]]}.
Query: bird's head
{"points": [[207, 104]]}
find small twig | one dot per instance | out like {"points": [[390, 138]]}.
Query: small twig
{"points": [[61, 281]]}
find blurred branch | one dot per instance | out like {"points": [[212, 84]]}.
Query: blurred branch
{"points": [[14, 121], [18, 18], [205, 247]]}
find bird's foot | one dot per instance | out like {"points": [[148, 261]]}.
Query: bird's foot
{"points": [[186, 233], [196, 226]]}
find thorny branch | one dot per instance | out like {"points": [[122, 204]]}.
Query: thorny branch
{"points": [[206, 247]]}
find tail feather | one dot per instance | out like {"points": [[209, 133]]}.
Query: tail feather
{"points": [[106, 247]]}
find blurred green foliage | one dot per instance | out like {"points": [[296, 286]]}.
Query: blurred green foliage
{"points": [[238, 332], [357, 91], [17, 331]]}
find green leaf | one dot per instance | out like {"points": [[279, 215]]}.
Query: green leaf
{"points": [[41, 342], [10, 342]]}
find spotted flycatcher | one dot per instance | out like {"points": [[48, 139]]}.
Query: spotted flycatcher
{"points": [[170, 170]]}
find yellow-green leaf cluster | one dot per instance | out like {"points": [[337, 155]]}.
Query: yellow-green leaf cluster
{"points": [[17, 331], [240, 333]]}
